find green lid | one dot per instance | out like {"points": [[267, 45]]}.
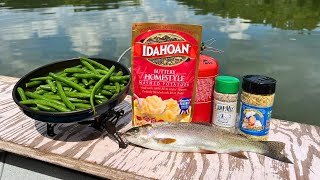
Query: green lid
{"points": [[227, 84]]}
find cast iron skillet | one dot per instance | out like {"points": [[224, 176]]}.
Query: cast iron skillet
{"points": [[74, 116]]}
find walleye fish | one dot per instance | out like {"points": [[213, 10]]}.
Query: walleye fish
{"points": [[194, 137]]}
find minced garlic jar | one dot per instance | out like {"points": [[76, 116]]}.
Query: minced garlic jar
{"points": [[257, 99]]}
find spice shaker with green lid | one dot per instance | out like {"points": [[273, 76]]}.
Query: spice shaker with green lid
{"points": [[225, 101], [257, 99]]}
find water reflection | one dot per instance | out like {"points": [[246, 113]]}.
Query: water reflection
{"points": [[284, 14], [91, 4], [235, 28]]}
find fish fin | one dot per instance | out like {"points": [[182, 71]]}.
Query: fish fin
{"points": [[274, 151], [202, 123], [242, 135], [239, 154], [165, 140], [206, 151]]}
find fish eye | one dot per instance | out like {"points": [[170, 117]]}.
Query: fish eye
{"points": [[134, 130]]}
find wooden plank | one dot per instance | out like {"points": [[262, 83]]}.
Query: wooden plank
{"points": [[82, 148], [8, 79]]}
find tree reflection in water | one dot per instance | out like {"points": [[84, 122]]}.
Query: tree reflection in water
{"points": [[284, 14]]}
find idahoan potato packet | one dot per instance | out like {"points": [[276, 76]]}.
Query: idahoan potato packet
{"points": [[165, 60]]}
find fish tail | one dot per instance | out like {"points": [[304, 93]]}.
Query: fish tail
{"points": [[274, 151]]}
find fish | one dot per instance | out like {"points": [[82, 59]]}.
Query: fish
{"points": [[189, 137]]}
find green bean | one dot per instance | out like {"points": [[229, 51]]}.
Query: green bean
{"points": [[41, 91], [119, 73], [68, 82], [98, 85], [90, 67], [52, 96], [82, 95], [63, 96], [59, 73], [72, 78], [86, 70], [119, 78], [52, 85], [85, 81], [124, 82], [33, 84], [46, 103], [82, 106], [41, 97], [98, 101], [49, 93], [74, 70], [41, 78], [122, 88], [63, 74], [117, 87], [82, 85], [104, 72], [74, 100], [96, 64], [92, 81], [108, 87], [66, 88], [21, 94], [99, 90], [46, 108], [35, 108], [114, 95], [113, 91], [44, 87], [108, 93], [88, 76]]}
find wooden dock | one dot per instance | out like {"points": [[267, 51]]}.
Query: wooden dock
{"points": [[85, 149]]}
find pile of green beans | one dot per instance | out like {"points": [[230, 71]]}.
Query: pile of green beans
{"points": [[75, 88]]}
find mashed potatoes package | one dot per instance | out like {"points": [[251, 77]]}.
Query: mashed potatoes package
{"points": [[165, 60]]}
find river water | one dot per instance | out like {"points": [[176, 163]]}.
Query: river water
{"points": [[277, 38]]}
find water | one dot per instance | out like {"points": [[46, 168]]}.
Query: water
{"points": [[277, 38]]}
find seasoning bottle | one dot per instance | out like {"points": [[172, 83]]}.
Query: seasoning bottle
{"points": [[257, 99], [225, 101]]}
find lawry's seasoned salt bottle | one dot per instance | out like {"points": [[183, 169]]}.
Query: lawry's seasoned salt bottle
{"points": [[225, 102]]}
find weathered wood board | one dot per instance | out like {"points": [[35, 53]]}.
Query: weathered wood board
{"points": [[82, 148]]}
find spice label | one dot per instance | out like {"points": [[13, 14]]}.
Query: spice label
{"points": [[165, 58], [224, 113], [255, 120]]}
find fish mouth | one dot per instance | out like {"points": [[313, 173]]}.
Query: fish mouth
{"points": [[127, 134], [130, 132]]}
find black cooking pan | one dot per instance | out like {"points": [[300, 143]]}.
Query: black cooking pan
{"points": [[73, 116]]}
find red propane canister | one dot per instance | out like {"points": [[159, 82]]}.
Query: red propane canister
{"points": [[208, 70]]}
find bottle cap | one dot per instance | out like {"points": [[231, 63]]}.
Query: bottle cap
{"points": [[227, 84], [258, 84]]}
